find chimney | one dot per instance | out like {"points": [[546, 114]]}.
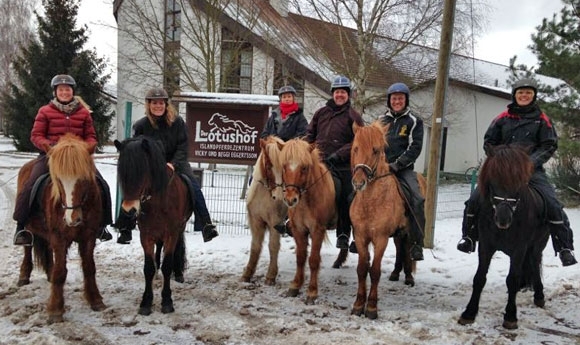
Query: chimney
{"points": [[281, 6]]}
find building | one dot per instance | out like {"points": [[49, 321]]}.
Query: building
{"points": [[256, 46]]}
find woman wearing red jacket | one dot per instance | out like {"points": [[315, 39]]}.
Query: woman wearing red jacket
{"points": [[64, 114]]}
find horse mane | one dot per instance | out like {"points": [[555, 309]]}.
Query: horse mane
{"points": [[300, 152], [507, 166], [70, 158], [142, 160], [270, 150]]}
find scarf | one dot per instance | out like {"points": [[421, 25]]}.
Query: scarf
{"points": [[66, 108], [287, 109]]}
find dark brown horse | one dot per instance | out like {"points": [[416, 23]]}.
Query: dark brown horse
{"points": [[377, 212], [162, 206], [309, 194], [71, 212], [265, 208], [511, 218]]}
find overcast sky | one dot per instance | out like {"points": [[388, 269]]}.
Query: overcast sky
{"points": [[510, 26]]}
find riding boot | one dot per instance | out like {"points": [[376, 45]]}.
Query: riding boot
{"points": [[352, 248], [104, 234], [417, 220], [209, 232], [22, 237], [469, 232], [126, 221], [561, 240]]}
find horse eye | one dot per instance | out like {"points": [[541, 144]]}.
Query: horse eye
{"points": [[375, 151]]}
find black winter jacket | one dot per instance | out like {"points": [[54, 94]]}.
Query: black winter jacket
{"points": [[293, 127], [404, 138], [331, 130], [526, 126], [173, 138]]}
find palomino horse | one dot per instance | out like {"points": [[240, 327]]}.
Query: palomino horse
{"points": [[162, 206], [265, 208], [71, 211], [511, 218], [377, 212], [309, 194]]}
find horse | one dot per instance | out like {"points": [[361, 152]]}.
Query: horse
{"points": [[377, 212], [511, 218], [71, 209], [310, 196], [265, 208], [162, 206]]}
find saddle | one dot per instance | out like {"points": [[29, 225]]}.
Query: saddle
{"points": [[37, 192]]}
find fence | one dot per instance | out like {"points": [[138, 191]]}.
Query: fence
{"points": [[224, 191]]}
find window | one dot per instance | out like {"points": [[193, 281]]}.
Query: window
{"points": [[172, 21], [236, 64]]}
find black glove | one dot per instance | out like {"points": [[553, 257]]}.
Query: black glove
{"points": [[332, 160], [393, 166]]}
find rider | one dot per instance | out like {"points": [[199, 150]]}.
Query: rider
{"points": [[525, 124], [164, 124], [66, 113], [286, 122], [331, 130], [405, 141]]}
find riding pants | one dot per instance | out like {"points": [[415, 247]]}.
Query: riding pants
{"points": [[200, 211], [415, 203], [343, 201]]}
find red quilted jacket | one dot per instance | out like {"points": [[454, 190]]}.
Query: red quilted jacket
{"points": [[51, 123]]}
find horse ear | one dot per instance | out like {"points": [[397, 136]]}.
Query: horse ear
{"points": [[119, 145], [489, 150]]}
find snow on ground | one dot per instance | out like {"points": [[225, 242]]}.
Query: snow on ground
{"points": [[214, 307]]}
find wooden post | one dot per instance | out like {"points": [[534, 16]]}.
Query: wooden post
{"points": [[437, 120]]}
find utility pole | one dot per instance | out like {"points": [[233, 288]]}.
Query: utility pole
{"points": [[437, 119]]}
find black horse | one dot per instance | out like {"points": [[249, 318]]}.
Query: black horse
{"points": [[512, 219], [159, 200]]}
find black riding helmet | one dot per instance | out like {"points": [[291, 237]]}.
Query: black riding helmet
{"points": [[62, 79]]}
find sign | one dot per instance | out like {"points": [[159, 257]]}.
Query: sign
{"points": [[225, 133]]}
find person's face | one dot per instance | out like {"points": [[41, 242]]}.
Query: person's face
{"points": [[287, 98], [64, 93], [524, 96], [157, 107], [340, 96], [398, 101]]}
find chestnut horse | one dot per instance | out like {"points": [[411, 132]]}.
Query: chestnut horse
{"points": [[162, 206], [71, 212], [511, 218], [265, 208], [377, 212], [309, 194]]}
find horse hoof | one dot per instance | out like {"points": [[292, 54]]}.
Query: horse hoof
{"points": [[510, 324], [145, 311], [166, 309], [270, 281], [55, 319], [98, 306], [179, 278], [463, 321], [245, 279], [337, 264], [410, 282], [356, 311], [23, 282], [540, 302], [372, 315], [292, 292], [310, 300], [394, 277]]}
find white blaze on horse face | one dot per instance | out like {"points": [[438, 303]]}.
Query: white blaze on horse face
{"points": [[68, 185]]}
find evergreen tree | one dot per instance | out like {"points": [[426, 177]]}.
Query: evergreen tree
{"points": [[58, 49], [557, 47]]}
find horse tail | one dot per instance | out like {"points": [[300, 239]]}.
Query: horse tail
{"points": [[532, 267], [42, 254], [179, 255]]}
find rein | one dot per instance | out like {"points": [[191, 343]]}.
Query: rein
{"points": [[370, 172], [302, 190]]}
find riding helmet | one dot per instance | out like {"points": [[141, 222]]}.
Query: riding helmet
{"points": [[527, 83], [286, 89], [341, 82], [156, 93], [398, 88], [62, 79]]}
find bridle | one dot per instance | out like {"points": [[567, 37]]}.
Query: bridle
{"points": [[370, 172], [303, 189]]}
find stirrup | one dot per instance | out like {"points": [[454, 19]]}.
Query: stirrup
{"points": [[417, 252], [105, 235], [23, 232]]}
